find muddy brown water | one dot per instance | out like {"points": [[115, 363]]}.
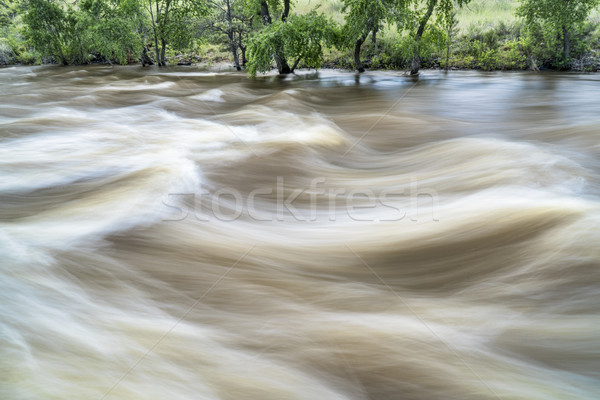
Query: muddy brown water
{"points": [[179, 234]]}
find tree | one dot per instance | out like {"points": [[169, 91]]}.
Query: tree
{"points": [[47, 28], [451, 26], [295, 37], [228, 19], [299, 38], [9, 9], [170, 21], [105, 28], [13, 47], [270, 32], [444, 10], [561, 16], [365, 16], [112, 28]]}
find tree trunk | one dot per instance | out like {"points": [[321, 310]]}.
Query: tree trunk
{"points": [[154, 30], [264, 13], [358, 45], [430, 6], [231, 36], [163, 44], [415, 65], [296, 63], [233, 46], [566, 42], [286, 10], [416, 61], [282, 65], [448, 48], [374, 39], [243, 49], [163, 40], [147, 59], [143, 56], [157, 50]]}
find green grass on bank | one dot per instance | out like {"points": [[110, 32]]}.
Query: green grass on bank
{"points": [[332, 8], [483, 13], [487, 13], [479, 12]]}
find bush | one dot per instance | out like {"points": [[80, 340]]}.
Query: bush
{"points": [[6, 54]]}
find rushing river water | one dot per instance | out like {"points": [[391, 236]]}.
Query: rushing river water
{"points": [[173, 234]]}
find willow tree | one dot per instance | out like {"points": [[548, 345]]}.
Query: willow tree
{"points": [[292, 38], [367, 16], [560, 16], [269, 33]]}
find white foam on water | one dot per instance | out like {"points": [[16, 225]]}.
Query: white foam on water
{"points": [[214, 95]]}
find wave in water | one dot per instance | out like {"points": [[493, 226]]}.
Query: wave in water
{"points": [[206, 236]]}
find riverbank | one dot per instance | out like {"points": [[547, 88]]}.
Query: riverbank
{"points": [[507, 57], [223, 67]]}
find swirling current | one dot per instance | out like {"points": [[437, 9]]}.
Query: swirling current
{"points": [[182, 234]]}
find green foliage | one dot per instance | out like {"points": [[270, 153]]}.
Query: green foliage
{"points": [[229, 25], [14, 49], [175, 27], [110, 28], [388, 53], [558, 18], [487, 58], [513, 55], [113, 30], [106, 28], [262, 47], [9, 11], [364, 16], [369, 16], [6, 54], [305, 35], [545, 45], [557, 13], [48, 29], [171, 20], [299, 38], [431, 42], [499, 47]]}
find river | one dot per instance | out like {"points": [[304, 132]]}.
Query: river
{"points": [[179, 234]]}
